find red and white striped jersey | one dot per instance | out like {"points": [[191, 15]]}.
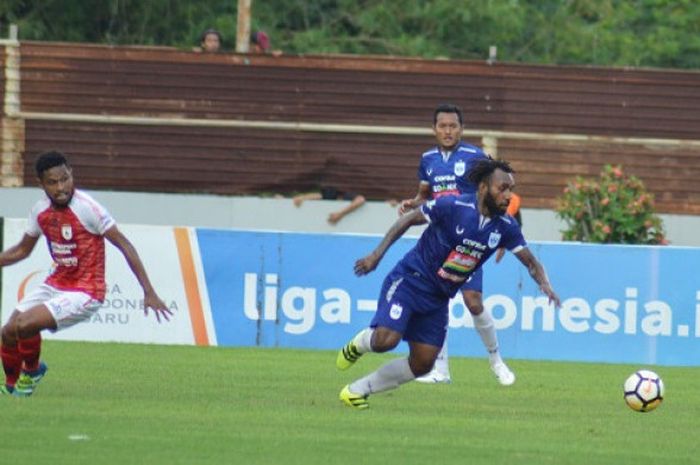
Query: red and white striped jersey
{"points": [[74, 235]]}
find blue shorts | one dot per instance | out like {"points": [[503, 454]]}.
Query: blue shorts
{"points": [[475, 283], [418, 316]]}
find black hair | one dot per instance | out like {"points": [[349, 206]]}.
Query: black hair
{"points": [[329, 193], [210, 31], [49, 160], [447, 108], [483, 169]]}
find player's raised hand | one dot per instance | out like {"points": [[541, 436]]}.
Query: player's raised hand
{"points": [[152, 301], [367, 264], [406, 206]]}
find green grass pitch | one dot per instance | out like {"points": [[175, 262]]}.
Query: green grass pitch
{"points": [[130, 404]]}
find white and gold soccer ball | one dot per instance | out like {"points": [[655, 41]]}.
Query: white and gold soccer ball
{"points": [[644, 391]]}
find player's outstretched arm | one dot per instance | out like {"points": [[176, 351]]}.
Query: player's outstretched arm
{"points": [[150, 298], [422, 195], [367, 264], [19, 251], [536, 270]]}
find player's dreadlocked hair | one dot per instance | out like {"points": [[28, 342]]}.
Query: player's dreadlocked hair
{"points": [[482, 170]]}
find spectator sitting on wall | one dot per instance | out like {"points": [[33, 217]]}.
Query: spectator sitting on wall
{"points": [[210, 42], [331, 193], [260, 44]]}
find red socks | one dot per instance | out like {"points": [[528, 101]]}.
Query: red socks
{"points": [[11, 363], [29, 350]]}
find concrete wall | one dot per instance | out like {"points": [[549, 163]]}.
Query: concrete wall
{"points": [[281, 215]]}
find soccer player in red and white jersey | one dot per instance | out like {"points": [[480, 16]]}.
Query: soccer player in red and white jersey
{"points": [[75, 227]]}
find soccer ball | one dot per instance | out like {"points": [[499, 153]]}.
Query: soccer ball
{"points": [[644, 391]]}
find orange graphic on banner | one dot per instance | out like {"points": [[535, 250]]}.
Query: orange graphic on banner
{"points": [[23, 285], [189, 278]]}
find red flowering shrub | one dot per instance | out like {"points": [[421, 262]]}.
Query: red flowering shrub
{"points": [[614, 208]]}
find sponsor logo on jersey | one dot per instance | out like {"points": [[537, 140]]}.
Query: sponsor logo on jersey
{"points": [[459, 230], [450, 277], [494, 239], [460, 262], [445, 193], [460, 168], [66, 232]]}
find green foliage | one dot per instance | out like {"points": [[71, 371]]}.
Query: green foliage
{"points": [[614, 209], [152, 22], [656, 33]]}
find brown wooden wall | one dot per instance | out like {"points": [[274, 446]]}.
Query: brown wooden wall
{"points": [[162, 82]]}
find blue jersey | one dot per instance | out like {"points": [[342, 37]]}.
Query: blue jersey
{"points": [[448, 176], [456, 243]]}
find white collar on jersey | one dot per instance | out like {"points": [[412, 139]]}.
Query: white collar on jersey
{"points": [[446, 154], [483, 221]]}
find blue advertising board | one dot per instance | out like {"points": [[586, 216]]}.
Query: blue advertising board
{"points": [[631, 304]]}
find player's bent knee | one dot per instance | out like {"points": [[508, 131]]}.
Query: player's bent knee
{"points": [[9, 330], [9, 334], [384, 345], [384, 340], [474, 302], [31, 323], [422, 358], [23, 326], [476, 310], [420, 367]]}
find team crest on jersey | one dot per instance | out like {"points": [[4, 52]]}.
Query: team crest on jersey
{"points": [[494, 239], [460, 168], [66, 232], [395, 311]]}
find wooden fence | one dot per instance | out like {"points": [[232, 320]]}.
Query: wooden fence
{"points": [[160, 119]]}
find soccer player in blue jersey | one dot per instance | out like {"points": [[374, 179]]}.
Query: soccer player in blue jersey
{"points": [[443, 171], [463, 232]]}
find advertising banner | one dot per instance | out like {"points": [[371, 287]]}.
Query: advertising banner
{"points": [[632, 304], [620, 303]]}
